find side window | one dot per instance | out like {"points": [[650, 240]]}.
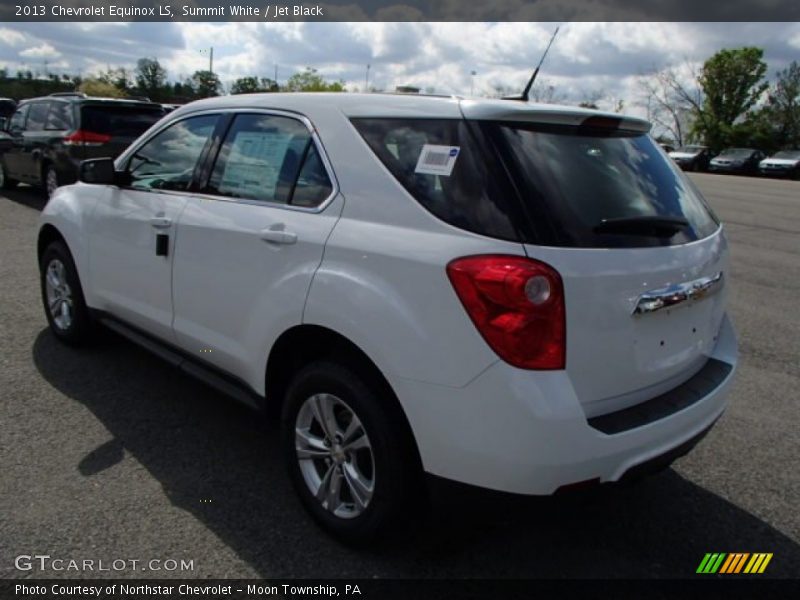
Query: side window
{"points": [[37, 116], [261, 159], [18, 119], [440, 163], [167, 161], [60, 116], [313, 186]]}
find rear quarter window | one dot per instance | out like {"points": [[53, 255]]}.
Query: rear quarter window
{"points": [[468, 197], [37, 116], [60, 116]]}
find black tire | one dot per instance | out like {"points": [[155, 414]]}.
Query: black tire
{"points": [[395, 472], [77, 329], [6, 182]]}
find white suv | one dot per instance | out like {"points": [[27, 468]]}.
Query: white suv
{"points": [[514, 296]]}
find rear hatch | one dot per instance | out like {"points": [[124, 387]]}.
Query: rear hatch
{"points": [[109, 127], [624, 227]]}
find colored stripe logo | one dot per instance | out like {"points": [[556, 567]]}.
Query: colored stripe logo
{"points": [[734, 562]]}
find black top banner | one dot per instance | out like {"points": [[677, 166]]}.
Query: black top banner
{"points": [[398, 10]]}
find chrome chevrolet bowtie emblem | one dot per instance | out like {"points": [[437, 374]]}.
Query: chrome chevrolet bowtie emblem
{"points": [[675, 294]]}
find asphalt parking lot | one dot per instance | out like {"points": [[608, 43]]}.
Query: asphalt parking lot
{"points": [[107, 453]]}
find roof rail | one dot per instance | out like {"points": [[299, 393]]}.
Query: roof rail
{"points": [[69, 94]]}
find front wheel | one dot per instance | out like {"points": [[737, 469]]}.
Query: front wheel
{"points": [[62, 295], [348, 459]]}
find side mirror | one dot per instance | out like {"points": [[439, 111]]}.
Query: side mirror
{"points": [[97, 170]]}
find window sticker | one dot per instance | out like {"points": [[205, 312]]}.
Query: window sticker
{"points": [[251, 170], [437, 160]]}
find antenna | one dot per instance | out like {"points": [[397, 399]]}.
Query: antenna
{"points": [[525, 96]]}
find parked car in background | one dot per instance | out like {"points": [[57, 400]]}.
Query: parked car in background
{"points": [[667, 147], [785, 163], [740, 161], [692, 158], [51, 135], [7, 108], [521, 297]]}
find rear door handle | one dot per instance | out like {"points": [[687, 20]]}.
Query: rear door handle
{"points": [[278, 235], [161, 222]]}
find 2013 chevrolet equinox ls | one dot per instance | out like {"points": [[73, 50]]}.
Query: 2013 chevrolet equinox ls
{"points": [[515, 296]]}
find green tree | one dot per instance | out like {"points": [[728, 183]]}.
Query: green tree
{"points": [[151, 78], [96, 87], [783, 107], [311, 81], [245, 85], [732, 82], [250, 85], [205, 84], [120, 78]]}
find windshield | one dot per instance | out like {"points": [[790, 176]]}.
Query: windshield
{"points": [[690, 149], [573, 179], [790, 154], [737, 152]]}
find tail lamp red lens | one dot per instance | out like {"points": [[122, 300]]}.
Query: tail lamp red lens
{"points": [[86, 138], [517, 304]]}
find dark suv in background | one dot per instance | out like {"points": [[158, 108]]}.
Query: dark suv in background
{"points": [[48, 137]]}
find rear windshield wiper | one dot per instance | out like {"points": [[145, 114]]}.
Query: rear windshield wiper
{"points": [[651, 226]]}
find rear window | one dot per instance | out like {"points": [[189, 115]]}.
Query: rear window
{"points": [[542, 184], [459, 189], [121, 121], [571, 179]]}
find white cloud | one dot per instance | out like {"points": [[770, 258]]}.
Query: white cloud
{"points": [[9, 37], [41, 51]]}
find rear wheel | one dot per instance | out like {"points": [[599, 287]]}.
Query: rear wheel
{"points": [[51, 182], [6, 182], [349, 461], [62, 295]]}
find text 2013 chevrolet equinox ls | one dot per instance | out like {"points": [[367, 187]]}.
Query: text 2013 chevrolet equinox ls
{"points": [[514, 296]]}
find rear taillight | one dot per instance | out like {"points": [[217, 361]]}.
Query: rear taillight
{"points": [[517, 304], [86, 138]]}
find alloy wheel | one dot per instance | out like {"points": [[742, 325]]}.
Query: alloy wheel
{"points": [[51, 181], [59, 295], [335, 455]]}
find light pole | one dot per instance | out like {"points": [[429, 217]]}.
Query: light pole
{"points": [[210, 58], [472, 82], [366, 80]]}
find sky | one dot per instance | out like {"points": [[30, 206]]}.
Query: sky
{"points": [[587, 60]]}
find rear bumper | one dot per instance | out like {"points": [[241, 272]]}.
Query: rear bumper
{"points": [[526, 432]]}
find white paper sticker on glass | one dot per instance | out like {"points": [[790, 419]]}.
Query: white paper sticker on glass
{"points": [[437, 160]]}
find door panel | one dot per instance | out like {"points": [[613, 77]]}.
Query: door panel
{"points": [[237, 285], [246, 253], [129, 279], [34, 140], [132, 239], [12, 157]]}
